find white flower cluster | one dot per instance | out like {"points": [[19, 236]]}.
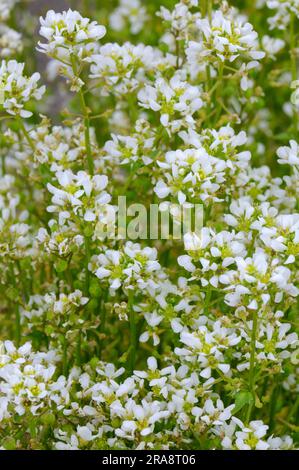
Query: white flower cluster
{"points": [[69, 35], [80, 193], [191, 170], [113, 341], [131, 268], [114, 413], [176, 102], [62, 148], [129, 13], [181, 20], [289, 155], [62, 316], [10, 41], [200, 173], [284, 9], [135, 148], [6, 7], [25, 380], [224, 38], [16, 240], [17, 88], [123, 69]]}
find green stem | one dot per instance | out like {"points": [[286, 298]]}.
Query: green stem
{"points": [[17, 310], [177, 52], [103, 320], [23, 282], [293, 47], [293, 62], [3, 165], [64, 359], [206, 8], [294, 408], [133, 333], [85, 111], [26, 134], [18, 325], [218, 90], [210, 5], [207, 300], [273, 403], [87, 258], [79, 349], [252, 363], [208, 92]]}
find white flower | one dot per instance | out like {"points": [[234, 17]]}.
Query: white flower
{"points": [[257, 279], [138, 417], [176, 101], [192, 241], [211, 414], [76, 187], [17, 88], [131, 12], [289, 155], [84, 433], [10, 41], [186, 262], [251, 436], [190, 175], [280, 443], [134, 148], [284, 8], [180, 19], [131, 267], [272, 46], [122, 69], [62, 147], [69, 34], [6, 7], [224, 38]]}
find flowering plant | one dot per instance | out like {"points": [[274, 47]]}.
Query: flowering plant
{"points": [[149, 342]]}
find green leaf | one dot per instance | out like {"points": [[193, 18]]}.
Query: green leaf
{"points": [[283, 136], [61, 265], [244, 397], [32, 426], [258, 403], [49, 329], [48, 418], [12, 293], [94, 362], [92, 305], [25, 263], [88, 230], [9, 443], [95, 289]]}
